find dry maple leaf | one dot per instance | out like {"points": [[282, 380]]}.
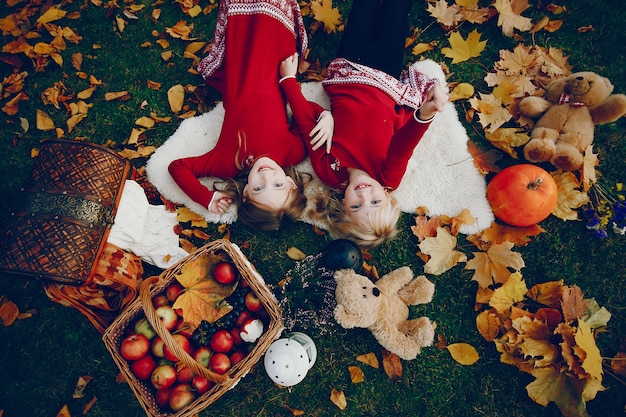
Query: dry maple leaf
{"points": [[507, 138], [426, 227], [492, 267], [463, 353], [203, 297], [441, 249], [548, 293], [491, 114], [511, 292], [324, 12], [484, 160], [510, 19], [500, 233], [392, 365], [447, 16], [570, 198], [461, 50]]}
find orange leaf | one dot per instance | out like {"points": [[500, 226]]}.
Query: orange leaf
{"points": [[8, 313], [369, 359], [425, 227], [338, 398], [488, 325], [176, 97], [356, 374], [392, 365], [463, 353]]}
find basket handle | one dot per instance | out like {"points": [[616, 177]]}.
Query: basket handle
{"points": [[148, 307]]}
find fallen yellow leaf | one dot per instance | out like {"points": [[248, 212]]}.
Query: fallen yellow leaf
{"points": [[463, 353]]}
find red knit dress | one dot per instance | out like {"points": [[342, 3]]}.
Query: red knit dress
{"points": [[375, 129], [251, 40]]}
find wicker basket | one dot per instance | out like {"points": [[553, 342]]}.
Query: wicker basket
{"points": [[115, 333], [67, 207]]}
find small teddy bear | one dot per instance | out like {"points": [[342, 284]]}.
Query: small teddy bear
{"points": [[383, 308], [567, 115]]}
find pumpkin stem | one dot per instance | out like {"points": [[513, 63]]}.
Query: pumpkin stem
{"points": [[535, 184]]}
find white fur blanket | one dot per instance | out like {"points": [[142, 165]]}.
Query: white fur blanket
{"points": [[440, 175]]}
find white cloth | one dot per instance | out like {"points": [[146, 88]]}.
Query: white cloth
{"points": [[144, 229]]}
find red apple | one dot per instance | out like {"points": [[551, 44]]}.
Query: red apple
{"points": [[163, 376], [181, 396], [157, 347], [142, 368], [224, 272], [162, 397], [168, 317], [184, 328], [159, 300], [143, 326], [219, 363], [252, 302], [201, 384], [202, 354], [134, 347], [243, 316], [234, 332], [236, 357], [173, 291], [221, 341], [182, 342], [183, 372]]}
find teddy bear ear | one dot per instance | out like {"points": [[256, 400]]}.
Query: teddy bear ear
{"points": [[343, 273]]}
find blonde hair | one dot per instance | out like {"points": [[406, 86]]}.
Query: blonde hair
{"points": [[260, 218], [379, 227]]}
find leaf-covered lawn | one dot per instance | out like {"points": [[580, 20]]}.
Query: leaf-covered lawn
{"points": [[542, 332]]}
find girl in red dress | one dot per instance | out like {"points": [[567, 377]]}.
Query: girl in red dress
{"points": [[256, 140], [380, 116]]}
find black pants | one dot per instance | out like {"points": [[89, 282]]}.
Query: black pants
{"points": [[375, 34]]}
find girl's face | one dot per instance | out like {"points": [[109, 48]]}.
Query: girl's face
{"points": [[268, 185], [363, 196]]}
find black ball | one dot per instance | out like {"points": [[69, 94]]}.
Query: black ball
{"points": [[342, 254]]}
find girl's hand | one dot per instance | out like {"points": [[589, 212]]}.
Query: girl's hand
{"points": [[323, 131], [435, 101], [289, 66], [220, 202]]}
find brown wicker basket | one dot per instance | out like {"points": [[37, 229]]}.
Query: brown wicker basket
{"points": [[67, 207], [115, 333]]}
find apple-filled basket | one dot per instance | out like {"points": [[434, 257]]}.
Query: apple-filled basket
{"points": [[159, 400]]}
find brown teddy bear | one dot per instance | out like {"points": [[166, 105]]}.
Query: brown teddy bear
{"points": [[383, 309], [568, 113]]}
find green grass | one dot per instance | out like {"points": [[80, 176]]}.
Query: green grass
{"points": [[43, 356]]}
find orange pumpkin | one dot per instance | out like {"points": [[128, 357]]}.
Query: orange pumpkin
{"points": [[522, 195]]}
